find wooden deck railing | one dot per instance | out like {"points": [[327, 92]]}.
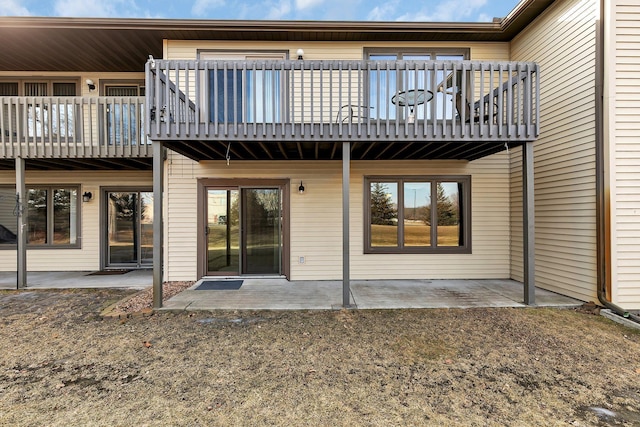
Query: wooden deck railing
{"points": [[73, 127], [342, 100]]}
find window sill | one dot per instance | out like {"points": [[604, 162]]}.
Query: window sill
{"points": [[421, 250]]}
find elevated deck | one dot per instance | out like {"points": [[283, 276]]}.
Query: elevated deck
{"points": [[303, 109]]}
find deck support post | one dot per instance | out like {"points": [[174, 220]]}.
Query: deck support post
{"points": [[21, 197], [158, 229], [346, 172], [528, 225]]}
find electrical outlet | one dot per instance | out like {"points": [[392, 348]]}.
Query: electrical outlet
{"points": [[301, 260]]}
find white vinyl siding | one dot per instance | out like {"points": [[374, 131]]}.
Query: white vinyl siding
{"points": [[564, 155], [623, 75], [87, 257], [316, 217]]}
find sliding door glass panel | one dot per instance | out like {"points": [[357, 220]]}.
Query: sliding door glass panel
{"points": [[122, 116], [448, 205], [263, 96], [444, 98], [225, 96], [420, 81], [262, 231], [253, 95], [223, 231], [417, 214], [384, 214], [122, 232], [146, 227], [382, 87], [129, 228]]}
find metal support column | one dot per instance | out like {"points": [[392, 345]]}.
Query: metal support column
{"points": [[158, 229], [528, 224], [346, 171], [21, 206]]}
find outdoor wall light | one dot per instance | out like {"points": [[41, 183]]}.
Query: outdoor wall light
{"points": [[300, 54], [301, 188], [86, 197], [90, 84]]}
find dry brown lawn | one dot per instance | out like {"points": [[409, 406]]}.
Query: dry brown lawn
{"points": [[61, 364]]}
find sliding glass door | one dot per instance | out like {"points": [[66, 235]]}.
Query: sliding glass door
{"points": [[262, 240], [223, 231], [243, 231], [129, 228]]}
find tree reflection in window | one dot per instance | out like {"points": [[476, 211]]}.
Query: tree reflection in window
{"points": [[418, 214]]}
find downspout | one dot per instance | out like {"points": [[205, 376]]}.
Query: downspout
{"points": [[601, 254]]}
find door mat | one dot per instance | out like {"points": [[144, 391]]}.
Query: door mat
{"points": [[107, 272], [220, 285]]}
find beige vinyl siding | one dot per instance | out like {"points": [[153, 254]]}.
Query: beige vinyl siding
{"points": [[623, 77], [187, 49], [316, 217], [87, 257], [564, 155], [490, 224], [300, 100], [316, 86]]}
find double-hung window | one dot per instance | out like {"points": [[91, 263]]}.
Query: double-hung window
{"points": [[246, 88], [418, 214], [53, 216]]}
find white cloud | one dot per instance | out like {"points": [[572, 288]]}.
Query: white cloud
{"points": [[445, 11], [279, 10], [383, 12], [306, 4], [201, 7], [103, 9], [12, 8]]}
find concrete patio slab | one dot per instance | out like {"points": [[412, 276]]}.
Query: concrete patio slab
{"points": [[375, 294], [262, 294], [280, 294], [135, 279]]}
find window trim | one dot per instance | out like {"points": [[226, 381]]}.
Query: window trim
{"points": [[50, 220], [431, 51], [138, 83], [466, 216], [48, 80]]}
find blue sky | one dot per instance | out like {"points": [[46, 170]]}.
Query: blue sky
{"points": [[352, 10]]}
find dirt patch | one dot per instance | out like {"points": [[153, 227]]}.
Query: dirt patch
{"points": [[143, 300], [61, 364]]}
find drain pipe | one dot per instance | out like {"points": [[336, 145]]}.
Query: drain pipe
{"points": [[600, 171]]}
